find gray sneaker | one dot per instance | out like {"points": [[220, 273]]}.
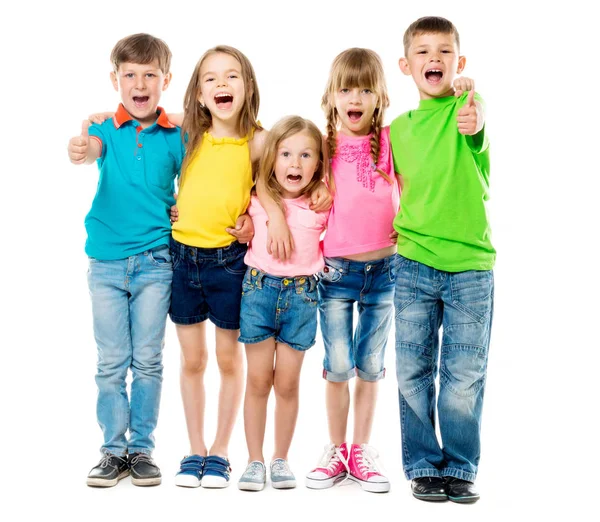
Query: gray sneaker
{"points": [[254, 478], [281, 475]]}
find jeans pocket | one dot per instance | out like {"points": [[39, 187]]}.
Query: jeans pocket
{"points": [[235, 265], [405, 292], [472, 293], [161, 257]]}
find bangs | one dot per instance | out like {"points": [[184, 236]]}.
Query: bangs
{"points": [[356, 71]]}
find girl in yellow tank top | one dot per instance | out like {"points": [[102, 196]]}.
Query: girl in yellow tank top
{"points": [[224, 138]]}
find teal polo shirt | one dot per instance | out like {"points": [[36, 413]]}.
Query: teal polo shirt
{"points": [[138, 168]]}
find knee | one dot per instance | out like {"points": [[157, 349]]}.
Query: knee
{"points": [[259, 386], [194, 365], [287, 390], [229, 363]]}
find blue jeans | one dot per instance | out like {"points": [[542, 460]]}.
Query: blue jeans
{"points": [[370, 285], [130, 301], [462, 304]]}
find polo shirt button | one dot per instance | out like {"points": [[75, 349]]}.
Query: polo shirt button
{"points": [[139, 158], [254, 272], [140, 145]]}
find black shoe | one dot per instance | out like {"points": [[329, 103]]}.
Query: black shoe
{"points": [[144, 472], [461, 491], [431, 489], [108, 472]]}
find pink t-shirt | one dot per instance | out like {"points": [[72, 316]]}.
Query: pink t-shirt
{"points": [[305, 226], [364, 203]]}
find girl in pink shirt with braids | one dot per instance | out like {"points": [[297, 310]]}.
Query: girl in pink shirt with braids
{"points": [[279, 302], [359, 249]]}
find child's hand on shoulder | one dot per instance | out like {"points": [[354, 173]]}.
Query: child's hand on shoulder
{"points": [[244, 229], [100, 117], [470, 116], [321, 199], [463, 84]]}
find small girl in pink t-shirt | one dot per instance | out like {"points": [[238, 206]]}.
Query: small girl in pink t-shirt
{"points": [[279, 301], [359, 265]]}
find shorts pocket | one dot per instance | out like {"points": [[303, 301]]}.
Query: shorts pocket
{"points": [[161, 257]]}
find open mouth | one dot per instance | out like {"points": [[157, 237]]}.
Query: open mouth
{"points": [[223, 100], [294, 178], [140, 101], [354, 116], [434, 76]]}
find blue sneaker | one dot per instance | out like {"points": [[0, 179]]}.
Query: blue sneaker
{"points": [[216, 472], [190, 472], [254, 478], [281, 475]]}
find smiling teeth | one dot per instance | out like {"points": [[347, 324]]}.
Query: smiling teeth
{"points": [[223, 95]]}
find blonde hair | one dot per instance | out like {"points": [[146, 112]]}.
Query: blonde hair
{"points": [[283, 129], [197, 118], [352, 68], [429, 25]]}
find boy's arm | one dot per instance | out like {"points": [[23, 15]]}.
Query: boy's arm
{"points": [[82, 149], [176, 118]]}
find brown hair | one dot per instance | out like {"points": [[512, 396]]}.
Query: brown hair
{"points": [[429, 25], [352, 68], [197, 118], [283, 129], [141, 48]]}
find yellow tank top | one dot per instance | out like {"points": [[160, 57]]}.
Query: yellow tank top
{"points": [[214, 192]]}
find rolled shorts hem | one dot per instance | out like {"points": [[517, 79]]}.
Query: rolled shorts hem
{"points": [[261, 338], [338, 377], [194, 319]]}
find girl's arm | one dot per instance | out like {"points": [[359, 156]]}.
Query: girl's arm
{"points": [[280, 243]]}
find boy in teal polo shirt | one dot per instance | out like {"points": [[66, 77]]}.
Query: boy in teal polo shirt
{"points": [[139, 155], [444, 273]]}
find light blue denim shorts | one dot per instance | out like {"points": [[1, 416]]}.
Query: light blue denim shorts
{"points": [[280, 307]]}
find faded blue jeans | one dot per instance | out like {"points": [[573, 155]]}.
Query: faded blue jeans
{"points": [[461, 303], [130, 302]]}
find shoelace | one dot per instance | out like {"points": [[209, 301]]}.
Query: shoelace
{"points": [[105, 461], [367, 460], [331, 457], [141, 457]]}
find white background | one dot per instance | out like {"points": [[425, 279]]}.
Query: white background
{"points": [[537, 68]]}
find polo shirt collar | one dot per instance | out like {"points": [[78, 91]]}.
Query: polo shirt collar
{"points": [[122, 116]]}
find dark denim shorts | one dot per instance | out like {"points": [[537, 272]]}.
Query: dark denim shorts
{"points": [[207, 284], [281, 307]]}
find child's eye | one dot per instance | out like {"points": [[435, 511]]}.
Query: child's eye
{"points": [[344, 91], [150, 75], [285, 154], [306, 155], [367, 91], [209, 79], [446, 51], [422, 52], [233, 75], [129, 75]]}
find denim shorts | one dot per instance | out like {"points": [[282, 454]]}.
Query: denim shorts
{"points": [[356, 350], [207, 284], [280, 307]]}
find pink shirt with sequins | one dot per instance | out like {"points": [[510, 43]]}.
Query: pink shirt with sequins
{"points": [[365, 203]]}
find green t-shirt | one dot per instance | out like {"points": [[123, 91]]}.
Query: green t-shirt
{"points": [[442, 220]]}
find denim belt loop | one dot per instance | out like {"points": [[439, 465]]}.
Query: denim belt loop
{"points": [[313, 283], [259, 277]]}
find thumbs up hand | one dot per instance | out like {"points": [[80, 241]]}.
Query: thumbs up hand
{"points": [[470, 117], [78, 146]]}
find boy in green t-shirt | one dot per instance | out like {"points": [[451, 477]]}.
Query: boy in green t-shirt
{"points": [[444, 272]]}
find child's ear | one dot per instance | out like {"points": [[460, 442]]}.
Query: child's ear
{"points": [[404, 67], [115, 82], [166, 81], [462, 62]]}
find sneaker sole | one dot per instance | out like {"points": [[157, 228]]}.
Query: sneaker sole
{"points": [[284, 484], [430, 498], [464, 500], [187, 481], [324, 483], [104, 483], [151, 481], [372, 487], [251, 486], [214, 483]]}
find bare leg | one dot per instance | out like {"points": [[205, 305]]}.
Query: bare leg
{"points": [[259, 382], [286, 383], [365, 399], [194, 357], [231, 367], [337, 398]]}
